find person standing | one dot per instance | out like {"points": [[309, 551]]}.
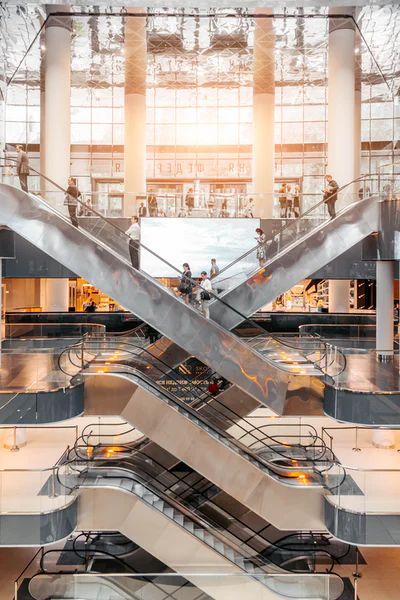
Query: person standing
{"points": [[205, 294], [261, 251], [71, 199], [330, 195], [186, 285], [134, 242], [142, 212], [189, 200], [153, 207], [22, 167], [249, 211], [282, 200], [296, 200], [214, 271], [289, 201]]}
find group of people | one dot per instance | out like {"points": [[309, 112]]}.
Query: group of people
{"points": [[202, 293], [289, 200]]}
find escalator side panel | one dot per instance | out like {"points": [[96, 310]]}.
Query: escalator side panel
{"points": [[299, 261], [221, 465]]}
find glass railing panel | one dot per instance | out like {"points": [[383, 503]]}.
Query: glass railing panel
{"points": [[117, 586], [49, 330]]}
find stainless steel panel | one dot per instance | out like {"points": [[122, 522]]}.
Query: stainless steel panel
{"points": [[35, 220], [298, 261]]}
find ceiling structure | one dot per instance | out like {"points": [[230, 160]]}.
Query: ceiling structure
{"points": [[189, 47]]}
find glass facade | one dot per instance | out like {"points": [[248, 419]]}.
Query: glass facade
{"points": [[199, 97]]}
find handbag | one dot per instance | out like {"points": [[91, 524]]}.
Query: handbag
{"points": [[204, 295]]}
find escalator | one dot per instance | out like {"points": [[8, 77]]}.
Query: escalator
{"points": [[177, 536], [299, 249], [107, 265], [202, 433]]}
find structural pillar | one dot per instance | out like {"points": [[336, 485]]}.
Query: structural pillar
{"points": [[54, 295], [339, 295], [135, 113], [384, 309], [263, 116], [342, 130], [55, 159]]}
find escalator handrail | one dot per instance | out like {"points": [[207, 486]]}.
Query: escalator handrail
{"points": [[257, 561], [221, 434], [290, 223], [141, 245], [218, 431], [191, 489]]}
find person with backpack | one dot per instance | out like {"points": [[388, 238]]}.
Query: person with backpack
{"points": [[71, 200]]}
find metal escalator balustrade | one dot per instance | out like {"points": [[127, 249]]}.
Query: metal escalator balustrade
{"points": [[237, 554], [254, 445], [301, 247], [227, 354]]}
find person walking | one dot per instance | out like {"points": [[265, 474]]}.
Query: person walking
{"points": [[205, 294], [261, 251], [186, 286], [134, 242], [71, 200], [214, 271], [22, 167], [330, 195]]}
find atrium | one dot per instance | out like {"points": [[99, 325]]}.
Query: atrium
{"points": [[199, 269]]}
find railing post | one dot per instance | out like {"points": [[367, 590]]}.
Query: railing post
{"points": [[14, 447], [356, 447], [53, 493]]}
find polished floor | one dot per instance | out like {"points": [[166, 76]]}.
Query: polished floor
{"points": [[31, 371]]}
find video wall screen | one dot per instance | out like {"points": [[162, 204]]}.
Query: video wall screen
{"points": [[195, 241]]}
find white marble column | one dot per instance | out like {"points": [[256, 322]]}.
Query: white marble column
{"points": [[384, 309], [135, 113], [263, 116], [56, 138]]}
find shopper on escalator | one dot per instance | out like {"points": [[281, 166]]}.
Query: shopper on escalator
{"points": [[186, 285], [71, 200], [330, 195], [134, 242], [22, 168]]}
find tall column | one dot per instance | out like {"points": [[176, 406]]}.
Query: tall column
{"points": [[55, 155], [135, 113], [263, 116], [339, 295], [342, 144], [54, 295], [384, 309], [341, 98]]}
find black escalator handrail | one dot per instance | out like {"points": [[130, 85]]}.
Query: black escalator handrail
{"points": [[225, 410], [230, 440], [141, 245], [257, 560], [180, 481], [305, 214]]}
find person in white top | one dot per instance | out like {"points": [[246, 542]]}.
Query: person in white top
{"points": [[134, 243], [205, 294]]}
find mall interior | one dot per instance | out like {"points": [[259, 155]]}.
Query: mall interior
{"points": [[199, 269]]}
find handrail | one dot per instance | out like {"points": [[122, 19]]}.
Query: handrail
{"points": [[233, 441], [290, 223], [139, 244]]}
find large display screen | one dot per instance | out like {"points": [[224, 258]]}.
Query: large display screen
{"points": [[195, 241]]}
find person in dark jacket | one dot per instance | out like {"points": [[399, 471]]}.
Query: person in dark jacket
{"points": [[186, 285], [22, 168], [71, 197], [330, 195]]}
